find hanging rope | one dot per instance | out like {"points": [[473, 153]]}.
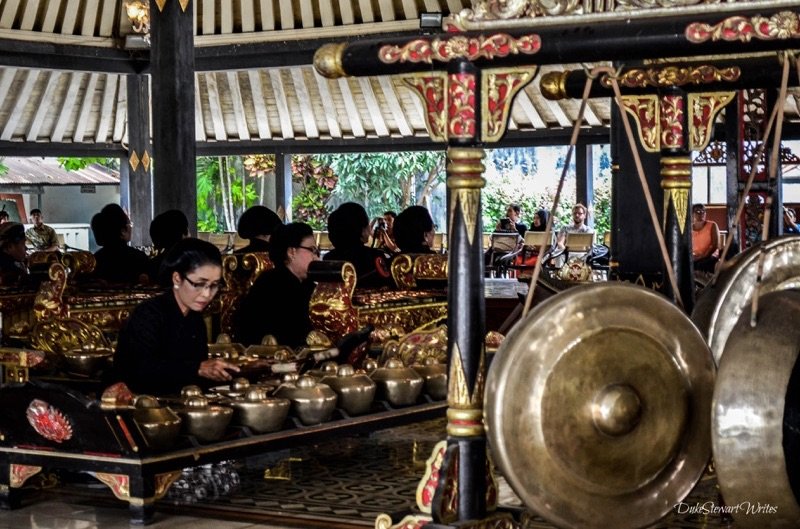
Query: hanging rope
{"points": [[573, 140], [646, 189], [774, 160]]}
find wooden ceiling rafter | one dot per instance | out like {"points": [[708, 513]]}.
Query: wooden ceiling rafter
{"points": [[334, 129], [242, 129], [67, 107], [259, 105], [106, 109], [305, 102], [20, 97], [373, 107], [44, 105], [85, 109], [284, 116]]}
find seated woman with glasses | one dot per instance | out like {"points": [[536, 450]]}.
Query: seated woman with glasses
{"points": [[277, 303], [164, 345]]}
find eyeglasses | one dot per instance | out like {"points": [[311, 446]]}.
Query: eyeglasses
{"points": [[699, 211], [312, 249], [201, 286]]}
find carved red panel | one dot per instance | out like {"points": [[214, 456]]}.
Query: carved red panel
{"points": [[48, 421], [673, 135], [461, 100]]}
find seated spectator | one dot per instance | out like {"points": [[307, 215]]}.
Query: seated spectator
{"points": [[348, 230], [539, 220], [257, 224], [40, 236], [705, 240], [116, 261], [414, 230], [789, 221], [514, 213], [12, 253], [4, 216], [166, 230], [382, 229], [277, 303], [579, 216]]}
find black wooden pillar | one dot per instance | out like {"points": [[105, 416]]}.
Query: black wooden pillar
{"points": [[732, 169], [634, 247], [283, 185], [136, 184], [172, 71]]}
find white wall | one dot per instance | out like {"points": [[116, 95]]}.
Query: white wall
{"points": [[67, 205]]}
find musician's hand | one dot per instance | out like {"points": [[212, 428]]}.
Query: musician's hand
{"points": [[216, 369]]}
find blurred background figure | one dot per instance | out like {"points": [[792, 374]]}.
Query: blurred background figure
{"points": [[116, 261], [348, 230], [40, 236], [514, 213], [705, 240], [539, 220], [257, 224], [579, 217], [166, 230], [382, 229], [12, 253], [789, 221], [3, 216], [414, 230]]}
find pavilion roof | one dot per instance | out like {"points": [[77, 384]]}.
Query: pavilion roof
{"points": [[63, 67], [48, 171]]}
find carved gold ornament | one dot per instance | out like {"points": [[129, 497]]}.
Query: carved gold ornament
{"points": [[427, 485], [146, 161], [673, 76], [645, 110], [430, 88], [780, 26], [21, 473], [498, 89], [184, 4], [161, 4], [703, 110], [384, 521], [458, 47], [118, 483], [133, 160]]}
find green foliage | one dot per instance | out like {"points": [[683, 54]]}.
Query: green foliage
{"points": [[383, 181], [76, 164], [3, 167], [318, 181], [207, 188]]}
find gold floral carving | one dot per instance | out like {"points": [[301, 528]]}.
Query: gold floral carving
{"points": [[703, 111], [78, 262], [430, 88], [384, 521], [780, 26], [402, 271], [408, 317], [461, 110], [676, 173], [133, 160], [118, 483], [673, 135], [666, 76], [239, 272], [49, 300], [417, 345], [430, 267], [458, 47], [164, 481], [498, 88], [430, 479], [331, 307], [19, 474], [58, 335], [680, 201], [645, 110]]}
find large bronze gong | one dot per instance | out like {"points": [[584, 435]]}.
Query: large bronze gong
{"points": [[756, 416], [598, 407], [719, 306]]}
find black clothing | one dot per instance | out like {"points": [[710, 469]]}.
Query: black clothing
{"points": [[417, 248], [11, 271], [371, 265], [256, 245], [159, 349], [522, 228], [276, 304], [119, 263]]}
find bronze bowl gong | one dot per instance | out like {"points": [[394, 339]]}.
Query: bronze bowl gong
{"points": [[598, 407]]}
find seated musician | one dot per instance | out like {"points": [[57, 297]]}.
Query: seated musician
{"points": [[116, 261], [705, 240], [277, 303], [166, 230], [257, 224], [12, 253], [414, 230], [164, 346], [348, 230]]}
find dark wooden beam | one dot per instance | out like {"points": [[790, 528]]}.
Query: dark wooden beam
{"points": [[80, 150], [172, 71], [51, 56], [138, 161]]}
